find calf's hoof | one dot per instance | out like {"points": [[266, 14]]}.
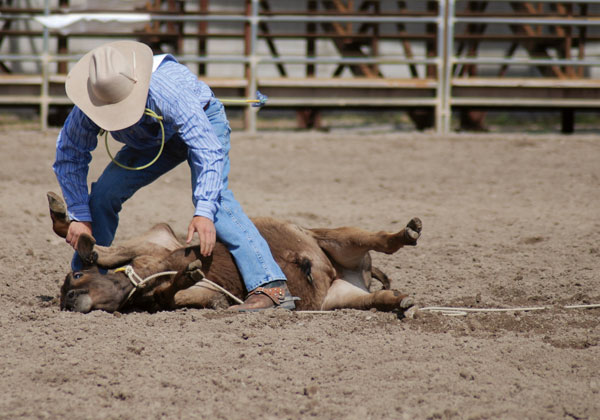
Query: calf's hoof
{"points": [[58, 214], [406, 303], [405, 307], [57, 206], [391, 301], [412, 232], [85, 249], [194, 271]]}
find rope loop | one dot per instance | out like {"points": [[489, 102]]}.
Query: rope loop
{"points": [[260, 101], [158, 118]]}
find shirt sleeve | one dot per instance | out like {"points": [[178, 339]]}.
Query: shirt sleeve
{"points": [[205, 152], [76, 140]]}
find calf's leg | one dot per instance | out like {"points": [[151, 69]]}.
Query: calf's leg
{"points": [[347, 246], [189, 289], [381, 276], [200, 295], [159, 241], [58, 214], [105, 257], [343, 294]]}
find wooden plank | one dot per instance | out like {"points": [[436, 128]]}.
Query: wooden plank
{"points": [[356, 82], [219, 82], [20, 79], [545, 82]]}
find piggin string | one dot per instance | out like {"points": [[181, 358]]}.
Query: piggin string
{"points": [[260, 100]]}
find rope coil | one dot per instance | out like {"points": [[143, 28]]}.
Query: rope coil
{"points": [[260, 101], [158, 118]]}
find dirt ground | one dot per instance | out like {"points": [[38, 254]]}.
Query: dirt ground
{"points": [[509, 221]]}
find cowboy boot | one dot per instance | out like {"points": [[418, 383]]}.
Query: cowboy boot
{"points": [[274, 294]]}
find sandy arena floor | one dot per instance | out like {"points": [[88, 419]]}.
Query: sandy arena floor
{"points": [[509, 221]]}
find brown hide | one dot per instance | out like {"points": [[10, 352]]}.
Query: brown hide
{"points": [[290, 246], [325, 268]]}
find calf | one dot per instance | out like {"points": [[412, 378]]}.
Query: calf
{"points": [[326, 268]]}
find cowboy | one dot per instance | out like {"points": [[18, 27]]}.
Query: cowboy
{"points": [[165, 115]]}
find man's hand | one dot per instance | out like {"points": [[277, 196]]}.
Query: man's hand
{"points": [[75, 230], [206, 232]]}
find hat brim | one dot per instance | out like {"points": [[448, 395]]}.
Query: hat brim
{"points": [[120, 115]]}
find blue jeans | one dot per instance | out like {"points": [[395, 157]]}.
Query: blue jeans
{"points": [[250, 251]]}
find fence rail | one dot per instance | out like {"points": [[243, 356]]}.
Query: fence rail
{"points": [[445, 55]]}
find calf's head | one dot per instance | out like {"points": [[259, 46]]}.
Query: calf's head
{"points": [[87, 290]]}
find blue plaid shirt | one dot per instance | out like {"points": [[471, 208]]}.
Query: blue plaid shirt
{"points": [[179, 97]]}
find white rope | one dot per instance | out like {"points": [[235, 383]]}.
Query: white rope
{"points": [[164, 273], [133, 277], [235, 298], [453, 311], [138, 282], [595, 305]]}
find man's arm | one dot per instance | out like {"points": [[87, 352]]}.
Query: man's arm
{"points": [[76, 229], [206, 232], [76, 140], [206, 159], [176, 94]]}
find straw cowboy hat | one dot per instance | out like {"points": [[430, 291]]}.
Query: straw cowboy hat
{"points": [[110, 83]]}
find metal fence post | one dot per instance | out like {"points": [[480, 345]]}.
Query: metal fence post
{"points": [[251, 82], [45, 87], [440, 109], [446, 118]]}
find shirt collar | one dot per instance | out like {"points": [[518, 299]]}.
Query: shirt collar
{"points": [[159, 59]]}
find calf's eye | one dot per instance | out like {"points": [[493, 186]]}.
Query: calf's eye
{"points": [[77, 275]]}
